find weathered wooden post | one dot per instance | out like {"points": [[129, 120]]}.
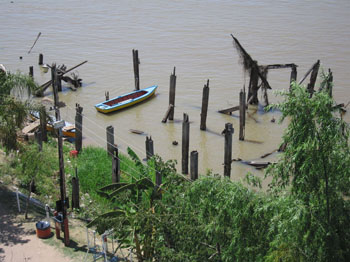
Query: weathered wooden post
{"points": [[313, 78], [194, 165], [31, 71], [43, 123], [204, 111], [149, 147], [185, 143], [59, 81], [75, 190], [253, 86], [167, 113], [293, 74], [172, 90], [115, 166], [41, 59], [107, 95], [78, 127], [242, 110], [136, 62], [329, 84], [228, 149], [110, 140]]}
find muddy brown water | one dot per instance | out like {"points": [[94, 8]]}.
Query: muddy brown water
{"points": [[195, 37]]}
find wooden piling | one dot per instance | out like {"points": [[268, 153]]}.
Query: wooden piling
{"points": [[107, 95], [172, 90], [293, 74], [78, 127], [167, 114], [242, 110], [110, 140], [115, 166], [149, 147], [313, 77], [204, 110], [41, 59], [136, 62], [194, 165], [185, 143], [329, 84], [31, 71], [75, 190], [228, 149], [253, 86]]}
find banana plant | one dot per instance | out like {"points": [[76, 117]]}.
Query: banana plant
{"points": [[136, 211]]}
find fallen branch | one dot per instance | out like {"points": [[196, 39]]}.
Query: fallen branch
{"points": [[34, 42]]}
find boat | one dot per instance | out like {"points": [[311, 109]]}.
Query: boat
{"points": [[126, 100], [68, 130]]}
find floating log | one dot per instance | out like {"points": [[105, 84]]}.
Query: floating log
{"points": [[256, 164], [168, 113], [135, 131]]}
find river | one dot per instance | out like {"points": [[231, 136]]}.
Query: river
{"points": [[193, 36]]}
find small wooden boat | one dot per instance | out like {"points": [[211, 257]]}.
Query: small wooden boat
{"points": [[68, 130], [126, 100]]}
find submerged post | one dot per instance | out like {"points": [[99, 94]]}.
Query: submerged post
{"points": [[136, 62], [110, 140], [185, 143], [41, 59], [228, 149], [31, 71], [115, 166], [78, 127], [204, 111], [172, 89], [149, 147], [194, 165]]}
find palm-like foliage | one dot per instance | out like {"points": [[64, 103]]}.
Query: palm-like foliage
{"points": [[13, 107]]}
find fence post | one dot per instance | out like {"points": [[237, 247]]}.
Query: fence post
{"points": [[110, 140], [42, 115], [39, 138], [172, 94], [115, 166], [185, 143], [205, 100], [228, 149], [78, 127], [194, 165]]}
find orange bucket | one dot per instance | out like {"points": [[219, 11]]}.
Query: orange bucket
{"points": [[43, 229]]}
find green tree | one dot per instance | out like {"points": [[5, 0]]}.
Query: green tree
{"points": [[13, 109], [315, 167]]}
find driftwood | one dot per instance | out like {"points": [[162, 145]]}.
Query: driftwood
{"points": [[44, 86], [139, 132], [256, 164], [168, 113], [37, 38]]}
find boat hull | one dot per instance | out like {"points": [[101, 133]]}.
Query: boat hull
{"points": [[138, 96]]}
